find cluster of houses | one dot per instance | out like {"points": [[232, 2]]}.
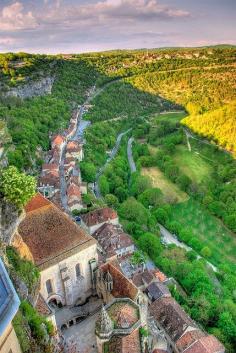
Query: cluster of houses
{"points": [[61, 169], [78, 262]]}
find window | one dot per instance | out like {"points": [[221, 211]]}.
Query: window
{"points": [[77, 271], [49, 286]]}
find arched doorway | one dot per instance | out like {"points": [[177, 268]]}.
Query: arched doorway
{"points": [[55, 302]]}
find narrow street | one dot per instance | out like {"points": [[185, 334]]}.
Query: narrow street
{"points": [[130, 155]]}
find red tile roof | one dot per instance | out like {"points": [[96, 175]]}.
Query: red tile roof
{"points": [[73, 190], [73, 146], [125, 344], [99, 216], [49, 233], [159, 275], [188, 338], [207, 344], [142, 277], [50, 166], [58, 140], [111, 238], [122, 286], [171, 317], [36, 202]]}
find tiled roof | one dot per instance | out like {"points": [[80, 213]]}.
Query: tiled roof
{"points": [[122, 287], [36, 202], [99, 216], [159, 351], [157, 290], [112, 238], [58, 140], [73, 146], [42, 307], [73, 190], [125, 344], [141, 276], [49, 233], [49, 166], [171, 317], [159, 275], [188, 338], [207, 344]]}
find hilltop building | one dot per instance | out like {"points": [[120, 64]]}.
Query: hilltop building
{"points": [[93, 220], [9, 304], [64, 253]]}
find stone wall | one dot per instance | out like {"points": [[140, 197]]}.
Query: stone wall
{"points": [[70, 290]]}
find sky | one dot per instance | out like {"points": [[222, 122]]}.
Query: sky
{"points": [[75, 26]]}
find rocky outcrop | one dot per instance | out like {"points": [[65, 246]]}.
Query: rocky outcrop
{"points": [[10, 217], [31, 89]]}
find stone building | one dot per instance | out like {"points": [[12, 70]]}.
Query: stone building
{"points": [[9, 304], [117, 329], [181, 332], [113, 242], [93, 220], [64, 253], [74, 149]]}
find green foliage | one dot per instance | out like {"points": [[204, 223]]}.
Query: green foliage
{"points": [[139, 183], [112, 201], [150, 243], [17, 187], [151, 197], [25, 269], [134, 211], [88, 171], [103, 185], [138, 258]]}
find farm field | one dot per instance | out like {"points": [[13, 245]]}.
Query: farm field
{"points": [[192, 164], [171, 191], [206, 228]]}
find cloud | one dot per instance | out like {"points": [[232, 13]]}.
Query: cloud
{"points": [[108, 11], [13, 17]]}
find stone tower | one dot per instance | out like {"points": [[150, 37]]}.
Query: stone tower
{"points": [[104, 329]]}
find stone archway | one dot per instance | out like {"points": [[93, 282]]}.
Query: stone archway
{"points": [[55, 301]]}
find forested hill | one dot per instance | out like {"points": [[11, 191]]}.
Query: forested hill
{"points": [[202, 80]]}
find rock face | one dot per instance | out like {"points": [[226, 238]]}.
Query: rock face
{"points": [[32, 88], [9, 220]]}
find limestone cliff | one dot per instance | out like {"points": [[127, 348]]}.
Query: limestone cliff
{"points": [[10, 217], [32, 88]]}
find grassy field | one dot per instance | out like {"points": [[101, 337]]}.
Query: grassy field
{"points": [[208, 229], [173, 116], [171, 191], [192, 164]]}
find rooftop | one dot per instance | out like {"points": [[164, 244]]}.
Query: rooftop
{"points": [[112, 238], [99, 216], [206, 344], [157, 290], [50, 234], [122, 286], [124, 344], [57, 140], [42, 307], [9, 301], [172, 317]]}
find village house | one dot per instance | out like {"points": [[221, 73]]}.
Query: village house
{"points": [[49, 180], [64, 253], [74, 149], [181, 332], [93, 220], [9, 304], [69, 165], [113, 241], [74, 198], [58, 142]]}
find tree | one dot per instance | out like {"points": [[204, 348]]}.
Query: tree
{"points": [[206, 252], [121, 193], [88, 171], [184, 181], [161, 215], [151, 197], [132, 210], [103, 185], [139, 184], [138, 258], [150, 243], [17, 187], [111, 201]]}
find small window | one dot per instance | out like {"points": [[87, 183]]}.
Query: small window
{"points": [[49, 286], [77, 271]]}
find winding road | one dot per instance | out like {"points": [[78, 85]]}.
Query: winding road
{"points": [[112, 155], [169, 238], [130, 155]]}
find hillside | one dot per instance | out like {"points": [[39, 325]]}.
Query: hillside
{"points": [[218, 125]]}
